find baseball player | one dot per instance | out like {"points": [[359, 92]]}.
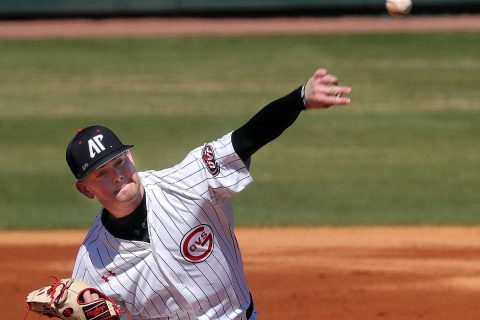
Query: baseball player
{"points": [[163, 244]]}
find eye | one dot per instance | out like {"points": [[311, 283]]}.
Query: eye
{"points": [[101, 174]]}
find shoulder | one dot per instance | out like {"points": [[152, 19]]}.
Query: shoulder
{"points": [[94, 232]]}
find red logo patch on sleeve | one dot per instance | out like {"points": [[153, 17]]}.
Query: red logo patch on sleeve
{"points": [[208, 156]]}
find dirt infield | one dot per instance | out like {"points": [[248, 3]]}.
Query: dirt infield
{"points": [[191, 26], [354, 273]]}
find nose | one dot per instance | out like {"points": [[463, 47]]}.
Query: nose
{"points": [[117, 176]]}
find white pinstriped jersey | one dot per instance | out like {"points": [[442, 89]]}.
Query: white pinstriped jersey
{"points": [[192, 268]]}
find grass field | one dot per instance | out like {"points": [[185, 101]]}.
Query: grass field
{"points": [[406, 151]]}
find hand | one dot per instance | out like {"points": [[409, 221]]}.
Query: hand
{"points": [[322, 91], [89, 297]]}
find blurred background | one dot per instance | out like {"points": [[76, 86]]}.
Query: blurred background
{"points": [[405, 152], [115, 8]]}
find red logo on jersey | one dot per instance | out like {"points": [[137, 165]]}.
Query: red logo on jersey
{"points": [[208, 156], [197, 244]]}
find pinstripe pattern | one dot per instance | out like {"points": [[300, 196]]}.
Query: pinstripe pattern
{"points": [[192, 267]]}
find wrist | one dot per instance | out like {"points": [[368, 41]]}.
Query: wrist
{"points": [[302, 96]]}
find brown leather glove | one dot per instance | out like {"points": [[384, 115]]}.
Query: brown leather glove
{"points": [[64, 299]]}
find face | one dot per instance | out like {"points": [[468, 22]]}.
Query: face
{"points": [[115, 184]]}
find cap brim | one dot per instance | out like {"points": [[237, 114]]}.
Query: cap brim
{"points": [[101, 162]]}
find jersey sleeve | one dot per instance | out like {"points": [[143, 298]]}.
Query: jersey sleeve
{"points": [[80, 270], [225, 172], [211, 171]]}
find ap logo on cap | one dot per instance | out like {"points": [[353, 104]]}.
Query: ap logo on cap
{"points": [[95, 145], [103, 145]]}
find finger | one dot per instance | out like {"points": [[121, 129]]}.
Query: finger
{"points": [[341, 100], [87, 296], [332, 91], [339, 91], [335, 100], [325, 101], [319, 73], [328, 79]]}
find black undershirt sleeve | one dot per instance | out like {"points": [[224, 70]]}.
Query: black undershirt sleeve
{"points": [[267, 124]]}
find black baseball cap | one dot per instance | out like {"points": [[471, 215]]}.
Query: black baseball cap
{"points": [[91, 148]]}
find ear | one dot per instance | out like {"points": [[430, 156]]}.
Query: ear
{"points": [[83, 189]]}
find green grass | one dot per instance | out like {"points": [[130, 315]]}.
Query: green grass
{"points": [[405, 152]]}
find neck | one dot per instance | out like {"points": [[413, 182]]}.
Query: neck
{"points": [[120, 210]]}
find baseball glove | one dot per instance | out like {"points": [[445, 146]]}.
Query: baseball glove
{"points": [[64, 299]]}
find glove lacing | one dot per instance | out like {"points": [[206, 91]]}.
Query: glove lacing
{"points": [[53, 288], [51, 292]]}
